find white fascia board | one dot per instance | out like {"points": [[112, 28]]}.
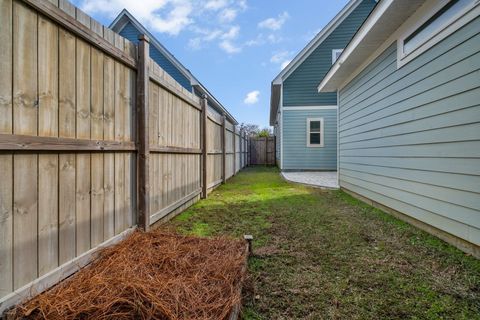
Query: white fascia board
{"points": [[315, 42], [359, 36]]}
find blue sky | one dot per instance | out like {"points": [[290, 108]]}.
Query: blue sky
{"points": [[234, 47]]}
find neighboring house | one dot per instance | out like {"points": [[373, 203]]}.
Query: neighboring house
{"points": [[409, 105], [305, 122], [127, 26]]}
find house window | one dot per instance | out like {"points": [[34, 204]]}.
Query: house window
{"points": [[335, 54], [315, 132], [442, 19]]}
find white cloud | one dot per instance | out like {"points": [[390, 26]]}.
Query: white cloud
{"points": [[226, 38], [232, 33], [282, 58], [252, 97], [279, 56], [229, 47], [274, 23], [227, 15], [215, 4], [167, 16]]}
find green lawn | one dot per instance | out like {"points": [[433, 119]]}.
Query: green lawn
{"points": [[323, 254]]}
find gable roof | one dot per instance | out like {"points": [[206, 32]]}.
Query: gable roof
{"points": [[125, 17], [305, 53], [316, 41]]}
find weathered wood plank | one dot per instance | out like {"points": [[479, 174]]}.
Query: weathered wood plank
{"points": [[82, 201], [83, 90], [109, 195], [143, 137], [97, 132], [97, 98], [67, 207], [6, 123], [48, 233], [119, 185], [203, 141], [47, 213], [6, 224], [25, 68], [25, 206], [67, 99], [6, 160], [97, 200], [63, 18], [108, 98], [175, 150], [48, 78], [10, 142]]}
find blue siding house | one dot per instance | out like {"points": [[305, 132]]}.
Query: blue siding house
{"points": [[127, 26], [305, 122], [409, 115]]}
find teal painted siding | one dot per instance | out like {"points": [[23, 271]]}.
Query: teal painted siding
{"points": [[296, 154], [131, 33], [300, 88], [409, 138]]}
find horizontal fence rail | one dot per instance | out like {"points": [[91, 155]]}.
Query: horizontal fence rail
{"points": [[95, 139]]}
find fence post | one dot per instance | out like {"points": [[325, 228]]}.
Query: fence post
{"points": [[143, 155], [203, 125], [224, 149], [274, 150], [234, 150], [240, 138]]}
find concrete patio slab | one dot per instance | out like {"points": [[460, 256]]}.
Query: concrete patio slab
{"points": [[320, 179]]}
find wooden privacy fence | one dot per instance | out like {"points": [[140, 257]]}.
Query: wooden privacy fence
{"points": [[95, 138], [262, 150]]}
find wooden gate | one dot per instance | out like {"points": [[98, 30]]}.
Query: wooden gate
{"points": [[262, 150]]}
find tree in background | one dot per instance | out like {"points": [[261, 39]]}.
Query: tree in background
{"points": [[253, 130], [265, 132]]}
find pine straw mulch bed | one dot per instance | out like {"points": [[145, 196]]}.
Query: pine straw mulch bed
{"points": [[154, 275]]}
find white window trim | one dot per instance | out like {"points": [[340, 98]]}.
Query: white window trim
{"points": [[321, 133], [421, 16], [334, 54]]}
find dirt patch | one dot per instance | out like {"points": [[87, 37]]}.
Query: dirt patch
{"points": [[155, 275]]}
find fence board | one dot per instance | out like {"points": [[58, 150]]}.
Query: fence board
{"points": [[6, 224], [6, 67], [6, 160], [47, 213], [25, 66], [48, 73], [67, 205], [25, 203], [67, 99]]}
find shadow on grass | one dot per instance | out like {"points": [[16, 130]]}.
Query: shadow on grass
{"points": [[323, 254]]}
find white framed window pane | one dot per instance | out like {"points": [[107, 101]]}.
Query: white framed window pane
{"points": [[315, 138], [314, 126]]}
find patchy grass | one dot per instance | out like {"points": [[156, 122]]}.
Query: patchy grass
{"points": [[323, 254]]}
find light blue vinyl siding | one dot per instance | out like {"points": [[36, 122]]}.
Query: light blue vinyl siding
{"points": [[300, 88], [278, 138], [131, 33], [296, 154], [410, 137]]}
